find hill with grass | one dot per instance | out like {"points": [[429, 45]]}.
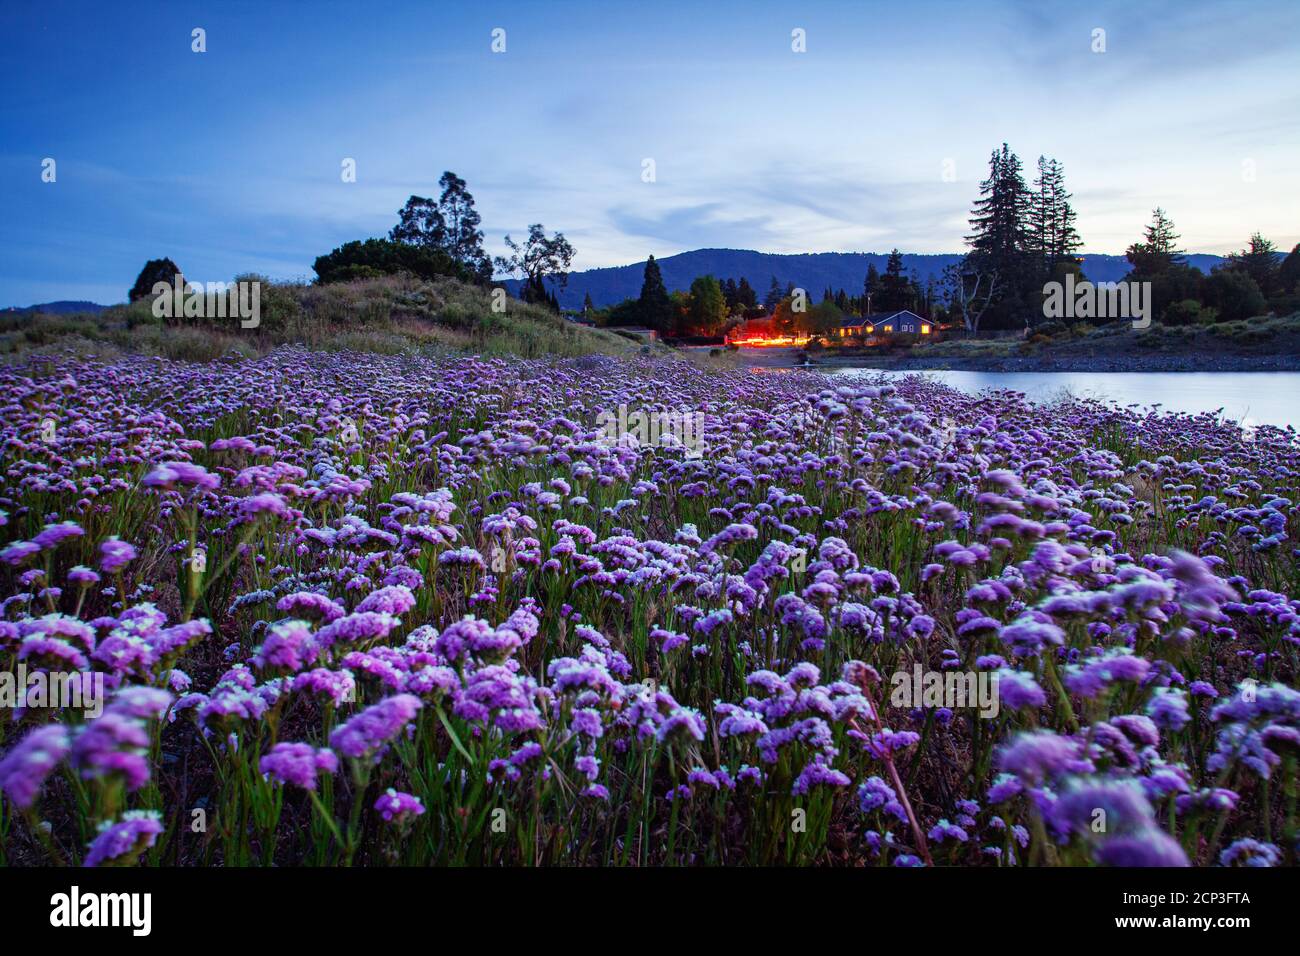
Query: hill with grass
{"points": [[388, 315]]}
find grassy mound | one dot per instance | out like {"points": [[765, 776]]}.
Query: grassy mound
{"points": [[390, 315]]}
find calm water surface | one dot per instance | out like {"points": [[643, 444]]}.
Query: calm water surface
{"points": [[1252, 398]]}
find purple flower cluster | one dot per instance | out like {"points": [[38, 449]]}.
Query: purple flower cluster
{"points": [[298, 764], [375, 727], [449, 553]]}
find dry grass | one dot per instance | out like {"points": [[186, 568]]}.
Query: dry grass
{"points": [[390, 315]]}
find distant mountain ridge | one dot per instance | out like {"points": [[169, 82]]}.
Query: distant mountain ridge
{"points": [[813, 271], [62, 307]]}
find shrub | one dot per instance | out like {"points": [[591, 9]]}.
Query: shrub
{"points": [[1285, 304], [154, 271], [1183, 312], [1234, 294], [375, 257]]}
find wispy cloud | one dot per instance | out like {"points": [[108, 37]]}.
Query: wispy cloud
{"points": [[755, 146]]}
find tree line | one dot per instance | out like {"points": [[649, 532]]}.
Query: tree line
{"points": [[1024, 236], [711, 306]]}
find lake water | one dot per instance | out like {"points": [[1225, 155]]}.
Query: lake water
{"points": [[1253, 398]]}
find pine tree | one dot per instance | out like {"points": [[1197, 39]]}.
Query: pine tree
{"points": [[774, 296], [1066, 235], [655, 306], [1000, 244], [1052, 236], [1160, 236], [746, 295], [1042, 219], [870, 286], [894, 292], [533, 291], [587, 305], [1259, 261], [999, 219], [1158, 250]]}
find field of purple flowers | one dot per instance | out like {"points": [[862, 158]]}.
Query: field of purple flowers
{"points": [[370, 610]]}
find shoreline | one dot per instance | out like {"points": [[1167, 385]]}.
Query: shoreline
{"points": [[1120, 362]]}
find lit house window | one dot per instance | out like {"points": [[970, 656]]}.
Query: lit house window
{"points": [[925, 329]]}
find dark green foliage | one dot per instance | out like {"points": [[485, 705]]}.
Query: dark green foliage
{"points": [[708, 306], [1052, 236], [1158, 249], [825, 319], [895, 291], [870, 286], [625, 313], [1183, 312], [534, 291], [365, 259], [1233, 294], [747, 298], [999, 219], [420, 223], [1000, 256], [1259, 261], [154, 271], [1288, 273], [1175, 284], [774, 295], [463, 239], [730, 292], [654, 306], [539, 260], [451, 225]]}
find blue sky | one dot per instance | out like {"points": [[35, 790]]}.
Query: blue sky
{"points": [[229, 161]]}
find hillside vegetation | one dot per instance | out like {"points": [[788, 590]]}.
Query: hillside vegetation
{"points": [[388, 315]]}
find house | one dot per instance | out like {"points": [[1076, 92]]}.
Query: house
{"points": [[902, 322]]}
